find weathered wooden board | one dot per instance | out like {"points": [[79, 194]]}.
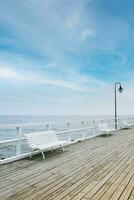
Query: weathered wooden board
{"points": [[100, 168]]}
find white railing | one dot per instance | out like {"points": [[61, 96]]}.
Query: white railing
{"points": [[71, 135]]}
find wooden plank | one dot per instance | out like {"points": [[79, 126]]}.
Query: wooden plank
{"points": [[94, 186], [99, 168], [63, 183]]}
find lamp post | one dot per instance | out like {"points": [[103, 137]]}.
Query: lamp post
{"points": [[120, 90]]}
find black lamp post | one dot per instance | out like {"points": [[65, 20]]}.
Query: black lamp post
{"points": [[120, 90]]}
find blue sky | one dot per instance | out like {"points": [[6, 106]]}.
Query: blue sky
{"points": [[64, 56]]}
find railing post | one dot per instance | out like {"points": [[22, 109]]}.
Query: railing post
{"points": [[48, 127], [102, 122], [82, 126], [94, 128], [69, 133], [18, 145], [108, 122], [118, 123], [132, 119]]}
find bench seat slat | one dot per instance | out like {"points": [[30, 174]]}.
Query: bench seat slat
{"points": [[49, 146]]}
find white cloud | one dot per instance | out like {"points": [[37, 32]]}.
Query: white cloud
{"points": [[56, 31], [10, 74], [18, 69], [50, 28], [94, 100], [74, 19], [45, 79], [87, 33]]}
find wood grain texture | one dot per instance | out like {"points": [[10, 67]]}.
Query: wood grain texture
{"points": [[100, 168]]}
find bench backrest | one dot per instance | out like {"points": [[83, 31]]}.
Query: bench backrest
{"points": [[103, 127], [41, 138]]}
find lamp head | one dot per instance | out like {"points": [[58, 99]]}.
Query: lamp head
{"points": [[120, 89]]}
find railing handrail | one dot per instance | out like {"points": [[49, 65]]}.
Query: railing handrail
{"points": [[21, 125], [58, 133], [69, 131]]}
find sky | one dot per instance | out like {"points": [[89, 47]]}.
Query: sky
{"points": [[64, 56]]}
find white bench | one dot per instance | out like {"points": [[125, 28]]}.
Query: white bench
{"points": [[126, 124], [45, 140], [103, 127]]}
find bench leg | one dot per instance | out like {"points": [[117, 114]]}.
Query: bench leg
{"points": [[30, 155], [62, 148], [43, 155]]}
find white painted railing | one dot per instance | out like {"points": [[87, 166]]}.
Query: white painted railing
{"points": [[70, 135]]}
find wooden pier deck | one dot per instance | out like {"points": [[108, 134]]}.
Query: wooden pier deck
{"points": [[101, 168]]}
